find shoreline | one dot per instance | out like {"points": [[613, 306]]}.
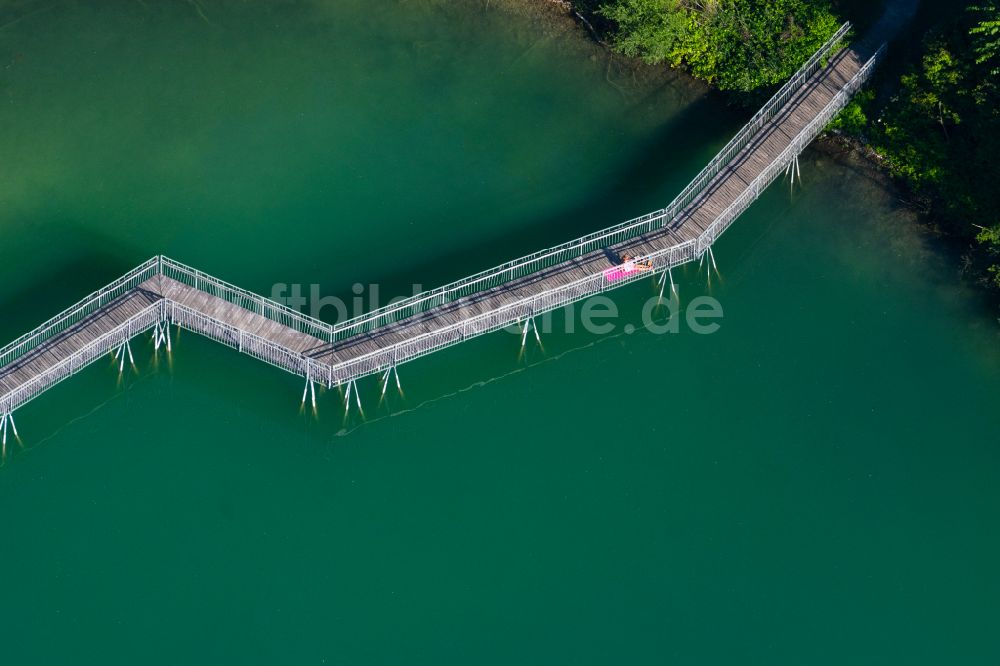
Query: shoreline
{"points": [[846, 150], [561, 16], [850, 152]]}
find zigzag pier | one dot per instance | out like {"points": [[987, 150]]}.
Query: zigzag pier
{"points": [[162, 292]]}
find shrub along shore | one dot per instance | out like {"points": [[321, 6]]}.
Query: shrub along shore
{"points": [[932, 120]]}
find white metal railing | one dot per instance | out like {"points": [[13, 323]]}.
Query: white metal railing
{"points": [[247, 343], [70, 365], [247, 300], [233, 336], [662, 259], [625, 231], [797, 145], [76, 313], [429, 299], [501, 317], [766, 113], [335, 373]]}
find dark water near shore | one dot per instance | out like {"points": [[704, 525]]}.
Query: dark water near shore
{"points": [[815, 483]]}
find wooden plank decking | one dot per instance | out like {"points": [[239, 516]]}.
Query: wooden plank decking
{"points": [[54, 351], [730, 184], [723, 190]]}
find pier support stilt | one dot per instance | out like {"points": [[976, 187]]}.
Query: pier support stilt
{"points": [[529, 325], [307, 390], [160, 331], [352, 387], [712, 265], [385, 381], [667, 275], [8, 422], [793, 171], [125, 348], [386, 377]]}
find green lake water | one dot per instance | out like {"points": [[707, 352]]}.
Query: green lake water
{"points": [[815, 483]]}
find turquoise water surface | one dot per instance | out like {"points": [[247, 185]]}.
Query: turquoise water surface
{"points": [[814, 483]]}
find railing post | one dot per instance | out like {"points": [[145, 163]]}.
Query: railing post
{"points": [[450, 293]]}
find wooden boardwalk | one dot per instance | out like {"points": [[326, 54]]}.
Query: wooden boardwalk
{"points": [[688, 226], [56, 350], [162, 292]]}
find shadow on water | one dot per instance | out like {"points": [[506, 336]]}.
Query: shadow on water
{"points": [[674, 155], [95, 262], [652, 178], [862, 13]]}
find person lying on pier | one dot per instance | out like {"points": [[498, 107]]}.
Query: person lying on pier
{"points": [[630, 263]]}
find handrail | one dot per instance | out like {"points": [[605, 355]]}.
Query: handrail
{"points": [[245, 341], [57, 372], [507, 271], [239, 296], [529, 304], [291, 360], [520, 310], [71, 315], [432, 298], [797, 145], [596, 240], [759, 120]]}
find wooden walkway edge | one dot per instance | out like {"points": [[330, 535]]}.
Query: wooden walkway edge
{"points": [[162, 292]]}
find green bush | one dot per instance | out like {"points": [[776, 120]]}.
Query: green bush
{"points": [[941, 132], [734, 44], [853, 120]]}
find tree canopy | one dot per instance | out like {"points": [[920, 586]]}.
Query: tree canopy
{"points": [[734, 44]]}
